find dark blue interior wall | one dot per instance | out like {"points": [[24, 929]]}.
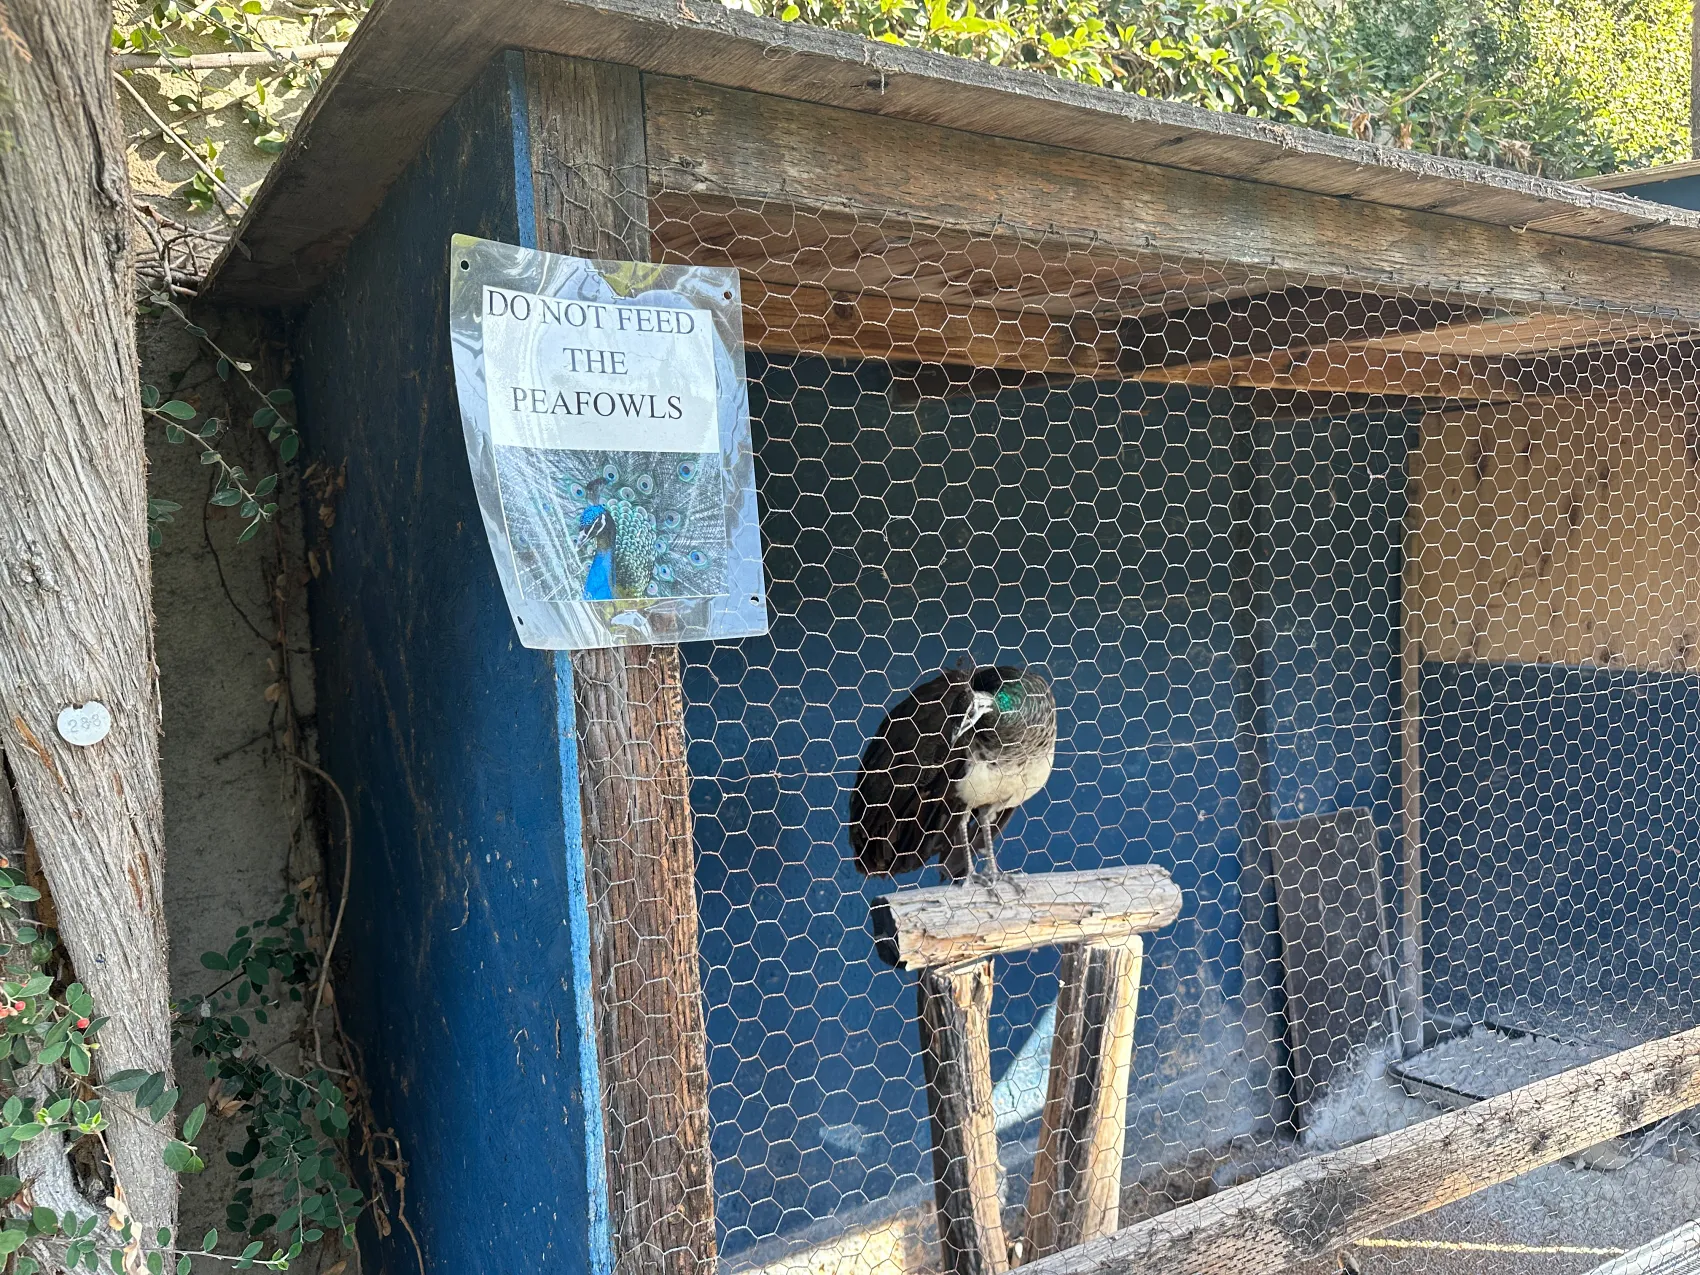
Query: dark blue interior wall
{"points": [[1094, 531], [1561, 821], [458, 971]]}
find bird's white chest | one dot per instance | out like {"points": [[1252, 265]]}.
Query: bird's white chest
{"points": [[992, 783]]}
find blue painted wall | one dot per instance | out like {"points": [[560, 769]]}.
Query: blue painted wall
{"points": [[1561, 820], [1108, 534], [466, 887], [1679, 192]]}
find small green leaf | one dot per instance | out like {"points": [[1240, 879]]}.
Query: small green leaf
{"points": [[26, 1266], [27, 894], [125, 1081], [264, 417], [24, 1132], [51, 1055], [248, 533], [150, 1089], [183, 1265], [288, 447], [280, 396], [162, 1237], [223, 369], [11, 1241], [195, 329], [214, 961], [10, 1186], [78, 1057], [210, 1242], [45, 1219], [150, 396], [192, 1125], [178, 408], [228, 496], [180, 1157], [156, 1263], [268, 484]]}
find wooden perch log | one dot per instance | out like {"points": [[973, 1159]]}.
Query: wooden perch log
{"points": [[950, 924], [955, 1006], [1075, 1194], [1323, 1204]]}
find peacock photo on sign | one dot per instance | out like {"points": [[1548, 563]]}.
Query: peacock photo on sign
{"points": [[607, 425]]}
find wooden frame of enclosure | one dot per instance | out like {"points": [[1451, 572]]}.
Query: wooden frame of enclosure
{"points": [[1021, 228]]}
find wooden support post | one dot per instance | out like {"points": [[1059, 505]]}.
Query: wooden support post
{"points": [[948, 933], [1075, 1194], [590, 178], [1408, 997], [954, 1007]]}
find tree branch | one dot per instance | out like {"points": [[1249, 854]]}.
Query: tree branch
{"points": [[229, 61]]}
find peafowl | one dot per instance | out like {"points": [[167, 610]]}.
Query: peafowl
{"points": [[602, 526], [964, 748]]}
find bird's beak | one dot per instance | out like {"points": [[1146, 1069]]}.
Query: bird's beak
{"points": [[982, 705]]}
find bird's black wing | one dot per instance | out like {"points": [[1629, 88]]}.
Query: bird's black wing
{"points": [[902, 807]]}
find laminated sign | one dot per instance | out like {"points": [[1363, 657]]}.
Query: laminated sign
{"points": [[607, 425]]}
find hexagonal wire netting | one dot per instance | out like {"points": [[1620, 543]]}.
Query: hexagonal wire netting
{"points": [[1328, 582]]}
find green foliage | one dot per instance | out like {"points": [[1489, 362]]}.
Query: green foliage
{"points": [[265, 99], [295, 1125], [1538, 85], [232, 489]]}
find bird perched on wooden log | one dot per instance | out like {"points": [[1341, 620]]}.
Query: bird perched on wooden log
{"points": [[948, 766]]}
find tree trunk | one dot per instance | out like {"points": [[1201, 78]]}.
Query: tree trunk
{"points": [[75, 587]]}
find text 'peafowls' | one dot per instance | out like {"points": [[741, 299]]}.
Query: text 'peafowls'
{"points": [[948, 766]]}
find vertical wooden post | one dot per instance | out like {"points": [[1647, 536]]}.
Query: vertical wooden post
{"points": [[1075, 1194], [1409, 995], [590, 178], [955, 1005]]}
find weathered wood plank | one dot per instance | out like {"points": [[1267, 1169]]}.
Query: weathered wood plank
{"points": [[410, 59], [1322, 1204], [588, 167], [950, 924], [956, 1056], [730, 144], [1560, 531], [1075, 1194]]}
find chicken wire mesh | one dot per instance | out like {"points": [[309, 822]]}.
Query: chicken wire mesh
{"points": [[1369, 618]]}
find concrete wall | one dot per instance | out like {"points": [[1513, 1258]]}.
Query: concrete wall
{"points": [[237, 832]]}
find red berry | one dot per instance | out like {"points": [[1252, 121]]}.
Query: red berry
{"points": [[82, 1023], [19, 1006]]}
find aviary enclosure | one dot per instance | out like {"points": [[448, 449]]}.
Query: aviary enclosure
{"points": [[1347, 502]]}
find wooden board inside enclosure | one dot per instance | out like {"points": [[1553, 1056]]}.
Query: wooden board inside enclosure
{"points": [[1562, 532], [1333, 952]]}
